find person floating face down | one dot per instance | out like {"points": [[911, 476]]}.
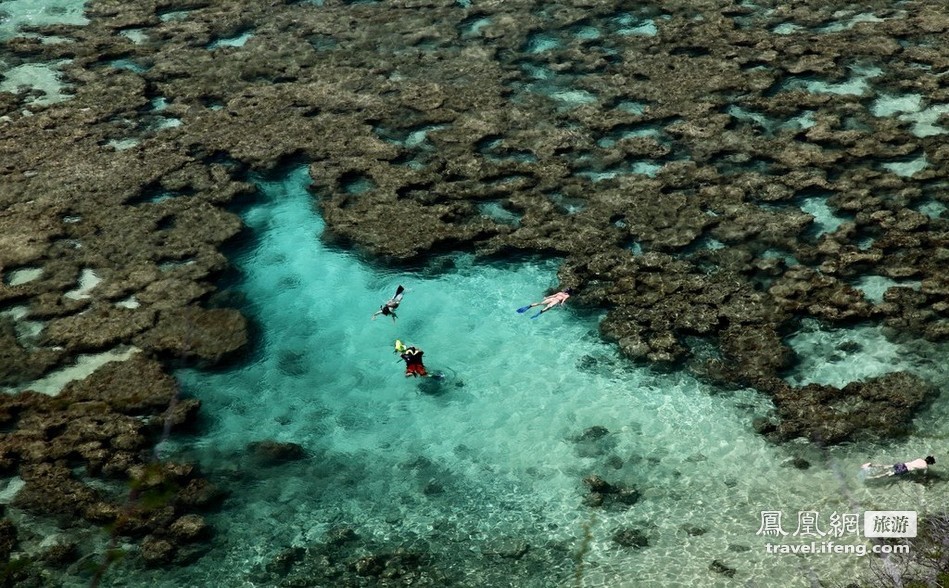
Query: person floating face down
{"points": [[558, 299], [871, 470], [413, 362], [388, 309]]}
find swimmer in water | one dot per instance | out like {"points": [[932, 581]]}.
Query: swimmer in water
{"points": [[388, 309]]}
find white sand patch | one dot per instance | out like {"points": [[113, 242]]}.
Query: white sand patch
{"points": [[53, 383], [15, 312], [20, 13], [24, 275], [908, 168], [136, 36], [87, 281], [238, 41], [123, 144], [10, 490], [26, 331], [129, 302], [43, 77]]}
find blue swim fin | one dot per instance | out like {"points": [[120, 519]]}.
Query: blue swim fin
{"points": [[524, 309], [537, 315]]}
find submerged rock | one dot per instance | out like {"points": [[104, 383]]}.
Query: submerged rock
{"points": [[721, 568], [879, 407], [602, 493], [594, 442], [189, 528], [8, 539], [506, 548], [62, 554], [270, 453], [631, 538], [156, 551], [283, 562], [598, 484]]}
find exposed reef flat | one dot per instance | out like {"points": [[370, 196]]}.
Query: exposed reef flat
{"points": [[692, 140]]}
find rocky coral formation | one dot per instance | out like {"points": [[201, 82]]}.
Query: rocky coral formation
{"points": [[387, 140], [346, 557], [104, 427], [269, 453], [633, 538], [826, 414], [602, 493]]}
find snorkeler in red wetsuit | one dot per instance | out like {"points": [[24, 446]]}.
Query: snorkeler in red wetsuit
{"points": [[413, 362]]}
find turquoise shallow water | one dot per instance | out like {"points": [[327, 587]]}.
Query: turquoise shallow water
{"points": [[497, 438]]}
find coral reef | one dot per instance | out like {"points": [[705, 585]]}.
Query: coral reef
{"points": [[676, 174], [717, 218]]}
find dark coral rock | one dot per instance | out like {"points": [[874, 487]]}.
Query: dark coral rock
{"points": [[284, 561], [400, 564], [800, 463], [506, 548], [720, 568], [763, 425], [137, 386], [628, 496], [594, 442], [8, 539], [199, 493], [371, 565], [101, 512], [118, 464], [878, 407], [156, 551], [189, 528], [207, 334], [97, 329], [51, 489], [594, 499], [598, 484], [153, 516], [433, 487], [269, 453], [755, 353], [19, 364], [61, 555], [694, 531], [341, 535], [183, 414], [602, 493], [594, 433], [631, 538]]}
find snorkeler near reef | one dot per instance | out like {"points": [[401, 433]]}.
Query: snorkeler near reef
{"points": [[388, 309], [872, 471], [413, 360], [551, 301]]}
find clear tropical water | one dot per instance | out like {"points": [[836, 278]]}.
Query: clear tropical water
{"points": [[498, 435], [489, 453]]}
